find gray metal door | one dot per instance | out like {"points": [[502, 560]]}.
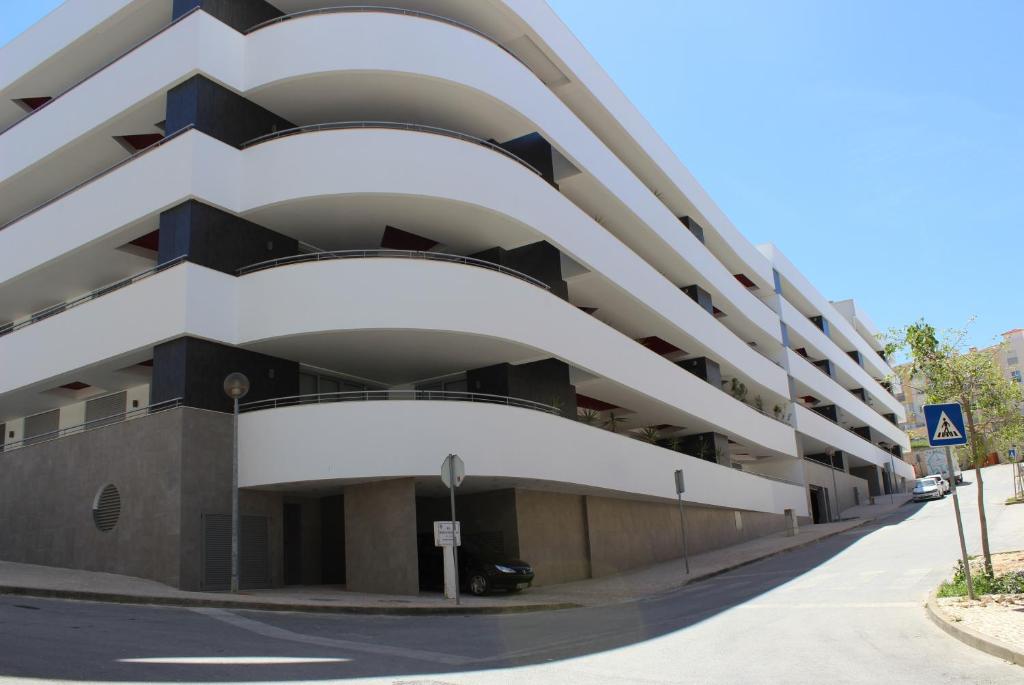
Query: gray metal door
{"points": [[253, 557]]}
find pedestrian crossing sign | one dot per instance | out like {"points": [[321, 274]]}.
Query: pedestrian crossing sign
{"points": [[945, 424]]}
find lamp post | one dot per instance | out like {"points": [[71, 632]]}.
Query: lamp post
{"points": [[831, 454], [236, 386]]}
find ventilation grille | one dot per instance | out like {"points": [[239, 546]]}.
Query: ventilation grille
{"points": [[254, 552], [39, 426], [107, 508], [106, 410]]}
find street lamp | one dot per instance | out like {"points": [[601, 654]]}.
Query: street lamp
{"points": [[236, 386]]}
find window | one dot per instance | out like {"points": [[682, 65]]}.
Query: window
{"points": [[1011, 361], [1015, 375], [450, 385], [318, 384]]}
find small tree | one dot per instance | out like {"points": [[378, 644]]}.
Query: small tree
{"points": [[952, 373], [613, 422], [648, 434]]}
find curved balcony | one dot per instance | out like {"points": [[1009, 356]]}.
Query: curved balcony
{"points": [[388, 254], [472, 199], [420, 319], [443, 75], [392, 125], [394, 395], [835, 436], [341, 442], [382, 10]]}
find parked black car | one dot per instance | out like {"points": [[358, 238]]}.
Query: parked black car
{"points": [[480, 570]]}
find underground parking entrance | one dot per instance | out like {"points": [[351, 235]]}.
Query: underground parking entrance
{"points": [[376, 536]]}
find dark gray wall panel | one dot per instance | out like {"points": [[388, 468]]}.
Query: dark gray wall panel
{"points": [[238, 14], [218, 112], [195, 369], [217, 239]]}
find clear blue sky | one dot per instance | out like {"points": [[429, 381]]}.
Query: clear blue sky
{"points": [[879, 144]]}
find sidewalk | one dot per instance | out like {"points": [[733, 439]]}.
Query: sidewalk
{"points": [[46, 581]]}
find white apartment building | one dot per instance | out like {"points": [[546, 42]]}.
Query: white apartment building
{"points": [[427, 228]]}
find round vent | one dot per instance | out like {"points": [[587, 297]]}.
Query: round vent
{"points": [[106, 508]]}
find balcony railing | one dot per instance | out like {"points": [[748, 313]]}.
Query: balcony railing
{"points": [[94, 423], [101, 174], [101, 68], [390, 254], [53, 310], [391, 125], [385, 395], [384, 10]]}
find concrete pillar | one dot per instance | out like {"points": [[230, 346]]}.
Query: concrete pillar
{"points": [[792, 528], [380, 537]]}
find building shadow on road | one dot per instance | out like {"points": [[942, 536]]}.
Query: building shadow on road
{"points": [[135, 643]]}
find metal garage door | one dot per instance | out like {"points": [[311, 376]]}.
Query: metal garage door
{"points": [[254, 552]]}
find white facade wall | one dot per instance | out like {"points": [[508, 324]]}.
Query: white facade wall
{"points": [[617, 219]]}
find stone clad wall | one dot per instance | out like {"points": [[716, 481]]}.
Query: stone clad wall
{"points": [[572, 537], [553, 535], [48, 489], [380, 537]]}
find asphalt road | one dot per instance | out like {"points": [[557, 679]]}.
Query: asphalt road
{"points": [[845, 610]]}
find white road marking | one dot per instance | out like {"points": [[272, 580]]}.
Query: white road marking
{"points": [[281, 634], [830, 605], [232, 660]]}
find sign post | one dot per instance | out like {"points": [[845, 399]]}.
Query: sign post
{"points": [[680, 489], [453, 471], [945, 425]]}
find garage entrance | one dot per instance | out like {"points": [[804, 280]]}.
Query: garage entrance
{"points": [[313, 540]]}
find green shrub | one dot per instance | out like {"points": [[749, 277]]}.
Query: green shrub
{"points": [[984, 583]]}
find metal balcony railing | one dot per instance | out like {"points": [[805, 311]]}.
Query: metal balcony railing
{"points": [[53, 310], [390, 254], [383, 10], [94, 423], [385, 395], [391, 125]]}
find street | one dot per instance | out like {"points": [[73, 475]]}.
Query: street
{"points": [[847, 609]]}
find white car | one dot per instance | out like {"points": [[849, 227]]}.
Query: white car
{"points": [[942, 482], [928, 488]]}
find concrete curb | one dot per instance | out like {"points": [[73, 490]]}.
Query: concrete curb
{"points": [[970, 636], [217, 603]]}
